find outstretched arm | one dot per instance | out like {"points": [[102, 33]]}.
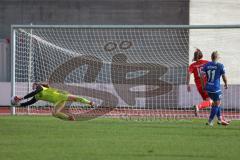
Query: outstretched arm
{"points": [[33, 93], [32, 101]]}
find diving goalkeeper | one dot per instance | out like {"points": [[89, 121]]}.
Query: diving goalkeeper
{"points": [[52, 95]]}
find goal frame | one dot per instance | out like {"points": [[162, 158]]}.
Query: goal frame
{"points": [[30, 26]]}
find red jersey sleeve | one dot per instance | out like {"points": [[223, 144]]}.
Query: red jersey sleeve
{"points": [[190, 68]]}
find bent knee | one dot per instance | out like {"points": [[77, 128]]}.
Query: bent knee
{"points": [[54, 113]]}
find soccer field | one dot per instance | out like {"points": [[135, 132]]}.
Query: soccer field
{"points": [[48, 138]]}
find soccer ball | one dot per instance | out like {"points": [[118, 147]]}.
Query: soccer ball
{"points": [[15, 100]]}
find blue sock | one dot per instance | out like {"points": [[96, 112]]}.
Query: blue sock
{"points": [[219, 113], [213, 113]]}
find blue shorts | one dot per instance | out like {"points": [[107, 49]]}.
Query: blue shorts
{"points": [[215, 96]]}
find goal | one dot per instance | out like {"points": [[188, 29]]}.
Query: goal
{"points": [[128, 70]]}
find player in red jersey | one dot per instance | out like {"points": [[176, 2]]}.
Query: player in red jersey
{"points": [[200, 80]]}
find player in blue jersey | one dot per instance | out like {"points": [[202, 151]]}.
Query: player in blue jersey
{"points": [[214, 71]]}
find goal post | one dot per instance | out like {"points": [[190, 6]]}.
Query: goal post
{"points": [[13, 51], [128, 70]]}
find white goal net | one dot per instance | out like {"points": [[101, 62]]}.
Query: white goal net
{"points": [[129, 71]]}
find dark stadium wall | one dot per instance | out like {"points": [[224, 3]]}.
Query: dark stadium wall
{"points": [[92, 12]]}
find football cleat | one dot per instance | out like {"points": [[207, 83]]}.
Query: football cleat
{"points": [[71, 118], [224, 123], [210, 123]]}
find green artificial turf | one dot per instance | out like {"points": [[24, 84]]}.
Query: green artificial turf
{"points": [[48, 138]]}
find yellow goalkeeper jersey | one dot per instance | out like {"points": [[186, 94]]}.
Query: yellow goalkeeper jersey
{"points": [[52, 95]]}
